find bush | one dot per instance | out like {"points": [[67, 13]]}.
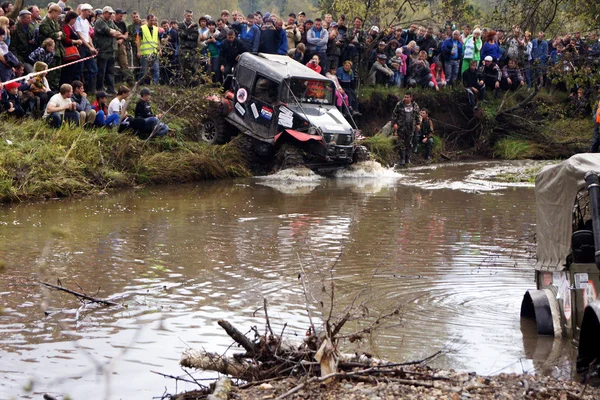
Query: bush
{"points": [[510, 148]]}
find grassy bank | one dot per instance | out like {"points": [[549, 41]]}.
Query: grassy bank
{"points": [[37, 162]]}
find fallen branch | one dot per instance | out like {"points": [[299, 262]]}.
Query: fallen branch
{"points": [[238, 336], [222, 389], [79, 295], [237, 368]]}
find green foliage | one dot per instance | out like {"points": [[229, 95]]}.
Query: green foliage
{"points": [[35, 163], [511, 148], [381, 148]]}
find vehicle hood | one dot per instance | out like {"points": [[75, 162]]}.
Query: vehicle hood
{"points": [[328, 118]]}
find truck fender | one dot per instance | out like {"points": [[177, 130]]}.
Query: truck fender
{"points": [[300, 136], [589, 338], [542, 306]]}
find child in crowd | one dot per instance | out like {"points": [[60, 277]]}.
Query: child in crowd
{"points": [[102, 116], [11, 100], [396, 64], [44, 53], [40, 87]]}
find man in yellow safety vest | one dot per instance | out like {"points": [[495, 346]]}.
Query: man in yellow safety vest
{"points": [[149, 48]]}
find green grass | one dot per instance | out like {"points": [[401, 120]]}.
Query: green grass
{"points": [[381, 148], [38, 162], [510, 148]]}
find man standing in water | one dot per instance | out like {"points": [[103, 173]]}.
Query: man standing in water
{"points": [[406, 120]]}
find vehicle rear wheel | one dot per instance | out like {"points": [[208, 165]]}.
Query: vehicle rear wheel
{"points": [[215, 130], [360, 154]]}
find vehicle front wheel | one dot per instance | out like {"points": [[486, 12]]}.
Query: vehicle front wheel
{"points": [[289, 156], [360, 154]]}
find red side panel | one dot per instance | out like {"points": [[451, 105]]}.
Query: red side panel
{"points": [[302, 137]]}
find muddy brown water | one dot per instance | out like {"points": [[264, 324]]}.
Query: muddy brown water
{"points": [[448, 246]]}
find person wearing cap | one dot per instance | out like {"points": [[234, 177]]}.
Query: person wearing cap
{"points": [[23, 39], [301, 18], [62, 4], [61, 108], [380, 49], [188, 43], [374, 31], [317, 38], [87, 115], [50, 28], [149, 49], [121, 56], [143, 110], [106, 34], [491, 74], [87, 49], [380, 73], [10, 102]]}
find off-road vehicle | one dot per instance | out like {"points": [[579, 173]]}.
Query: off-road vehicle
{"points": [[565, 302], [289, 112]]}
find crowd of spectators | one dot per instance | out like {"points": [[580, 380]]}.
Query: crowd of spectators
{"points": [[174, 52]]}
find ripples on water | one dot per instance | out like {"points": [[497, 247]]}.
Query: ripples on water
{"points": [[456, 260]]}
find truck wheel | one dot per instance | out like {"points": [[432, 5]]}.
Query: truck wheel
{"points": [[215, 130], [360, 154], [289, 156], [588, 356]]}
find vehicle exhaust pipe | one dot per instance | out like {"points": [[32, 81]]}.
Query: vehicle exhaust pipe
{"points": [[593, 182]]}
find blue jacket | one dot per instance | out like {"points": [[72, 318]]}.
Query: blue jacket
{"points": [[250, 37], [317, 40], [490, 50], [539, 51], [447, 49], [346, 79], [283, 43]]}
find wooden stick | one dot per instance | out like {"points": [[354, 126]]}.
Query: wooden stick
{"points": [[238, 336], [267, 317], [222, 389], [79, 295]]}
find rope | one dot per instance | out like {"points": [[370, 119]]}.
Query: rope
{"points": [[33, 74]]}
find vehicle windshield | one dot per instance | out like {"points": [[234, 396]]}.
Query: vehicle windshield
{"points": [[312, 91]]}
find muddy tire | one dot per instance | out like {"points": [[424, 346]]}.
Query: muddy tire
{"points": [[360, 154], [289, 156]]}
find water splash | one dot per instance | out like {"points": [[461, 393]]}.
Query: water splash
{"points": [[367, 169], [300, 180]]}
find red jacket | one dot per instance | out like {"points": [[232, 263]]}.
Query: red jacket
{"points": [[96, 107], [442, 75]]}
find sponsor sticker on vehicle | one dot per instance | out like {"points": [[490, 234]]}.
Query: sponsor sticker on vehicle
{"points": [[286, 117], [240, 109], [581, 281], [241, 95], [254, 110], [589, 294], [266, 112]]}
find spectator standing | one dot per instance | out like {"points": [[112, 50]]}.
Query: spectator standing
{"points": [[471, 50], [87, 49], [214, 50], [231, 48], [133, 30], [406, 120], [452, 53], [317, 38], [121, 56], [106, 34], [249, 34], [188, 44], [149, 49], [596, 139], [283, 48], [491, 47], [292, 33], [539, 56], [269, 38], [70, 39], [50, 28], [23, 39]]}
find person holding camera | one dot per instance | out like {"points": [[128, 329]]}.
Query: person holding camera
{"points": [[317, 38]]}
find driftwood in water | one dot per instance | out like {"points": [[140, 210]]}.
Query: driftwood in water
{"points": [[235, 367], [222, 389], [80, 296]]}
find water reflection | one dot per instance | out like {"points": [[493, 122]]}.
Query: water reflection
{"points": [[456, 262]]}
